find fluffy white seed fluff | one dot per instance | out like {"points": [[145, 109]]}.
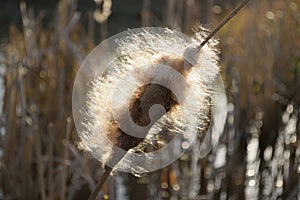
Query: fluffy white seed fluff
{"points": [[140, 51]]}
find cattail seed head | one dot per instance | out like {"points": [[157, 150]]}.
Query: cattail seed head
{"points": [[153, 93]]}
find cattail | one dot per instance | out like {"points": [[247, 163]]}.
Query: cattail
{"points": [[116, 120], [153, 66]]}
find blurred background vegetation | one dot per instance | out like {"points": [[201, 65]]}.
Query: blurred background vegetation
{"points": [[42, 45]]}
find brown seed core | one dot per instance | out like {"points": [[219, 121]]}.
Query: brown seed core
{"points": [[141, 102]]}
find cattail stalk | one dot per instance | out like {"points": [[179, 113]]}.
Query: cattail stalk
{"points": [[220, 25], [99, 185]]}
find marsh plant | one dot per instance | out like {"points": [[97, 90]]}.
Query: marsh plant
{"points": [[257, 156]]}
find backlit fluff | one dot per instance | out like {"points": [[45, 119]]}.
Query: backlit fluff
{"points": [[140, 51]]}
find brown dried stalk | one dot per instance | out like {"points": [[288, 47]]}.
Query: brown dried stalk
{"points": [[97, 189], [230, 16], [66, 158]]}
